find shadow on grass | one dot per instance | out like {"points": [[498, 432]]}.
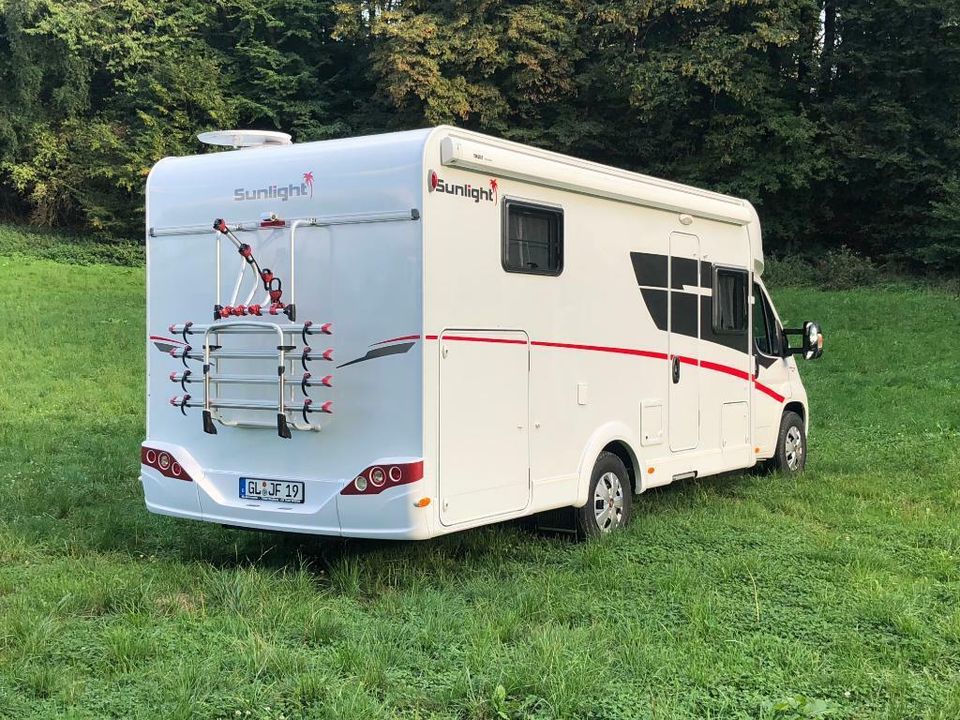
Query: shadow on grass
{"points": [[87, 498]]}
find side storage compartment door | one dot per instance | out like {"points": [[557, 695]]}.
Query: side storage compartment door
{"points": [[484, 418]]}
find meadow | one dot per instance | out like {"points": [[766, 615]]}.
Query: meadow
{"points": [[746, 596]]}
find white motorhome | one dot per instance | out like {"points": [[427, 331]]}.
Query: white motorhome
{"points": [[411, 334]]}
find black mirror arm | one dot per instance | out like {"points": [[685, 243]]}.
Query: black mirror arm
{"points": [[804, 348], [786, 351]]}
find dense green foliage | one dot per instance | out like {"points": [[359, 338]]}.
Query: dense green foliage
{"points": [[839, 119], [833, 595]]}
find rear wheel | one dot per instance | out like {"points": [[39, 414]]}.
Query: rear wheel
{"points": [[610, 500], [791, 455]]}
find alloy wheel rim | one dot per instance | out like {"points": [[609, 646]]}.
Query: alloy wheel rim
{"points": [[608, 502], [793, 448]]}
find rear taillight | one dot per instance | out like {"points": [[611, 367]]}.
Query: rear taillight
{"points": [[377, 478], [164, 462]]}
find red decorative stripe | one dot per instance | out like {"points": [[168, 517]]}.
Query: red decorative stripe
{"points": [[470, 338], [769, 391], [603, 348], [706, 364], [726, 369], [167, 340], [397, 339]]}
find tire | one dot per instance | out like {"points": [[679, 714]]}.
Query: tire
{"points": [[791, 455], [609, 501]]}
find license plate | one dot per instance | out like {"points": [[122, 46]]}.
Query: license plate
{"points": [[285, 491]]}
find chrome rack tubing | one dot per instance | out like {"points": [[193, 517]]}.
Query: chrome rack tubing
{"points": [[252, 327], [239, 282], [251, 380], [265, 405], [206, 359], [293, 246], [217, 241], [264, 424], [321, 221], [207, 413], [267, 327]]}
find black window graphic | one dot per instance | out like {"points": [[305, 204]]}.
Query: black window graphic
{"points": [[730, 301], [532, 238]]}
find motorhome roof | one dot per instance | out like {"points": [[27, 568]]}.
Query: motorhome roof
{"points": [[477, 152]]}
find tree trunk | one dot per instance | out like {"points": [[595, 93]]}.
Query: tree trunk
{"points": [[829, 45]]}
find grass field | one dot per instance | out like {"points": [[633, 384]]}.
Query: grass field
{"points": [[835, 595]]}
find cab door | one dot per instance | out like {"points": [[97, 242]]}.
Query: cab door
{"points": [[772, 372]]}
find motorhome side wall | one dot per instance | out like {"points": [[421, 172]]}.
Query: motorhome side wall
{"points": [[364, 278], [508, 440]]}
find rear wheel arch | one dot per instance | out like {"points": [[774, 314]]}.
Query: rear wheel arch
{"points": [[610, 504], [612, 437], [629, 460]]}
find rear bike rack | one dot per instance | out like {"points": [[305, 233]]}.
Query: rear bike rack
{"points": [[211, 379], [285, 330]]}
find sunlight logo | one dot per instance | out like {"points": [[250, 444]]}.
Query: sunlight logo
{"points": [[303, 189], [466, 190]]}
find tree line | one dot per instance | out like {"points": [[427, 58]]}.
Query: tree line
{"points": [[838, 119]]}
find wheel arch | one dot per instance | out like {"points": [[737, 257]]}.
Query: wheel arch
{"points": [[613, 437], [800, 409]]}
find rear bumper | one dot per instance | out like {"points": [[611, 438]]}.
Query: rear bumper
{"points": [[213, 496]]}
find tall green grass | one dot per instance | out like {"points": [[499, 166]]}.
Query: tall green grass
{"points": [[834, 595]]}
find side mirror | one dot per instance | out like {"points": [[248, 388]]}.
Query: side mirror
{"points": [[812, 341]]}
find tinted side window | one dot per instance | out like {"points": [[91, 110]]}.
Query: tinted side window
{"points": [[730, 301], [765, 333], [761, 333], [532, 239]]}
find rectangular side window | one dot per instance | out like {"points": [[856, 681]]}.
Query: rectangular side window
{"points": [[532, 238], [730, 301]]}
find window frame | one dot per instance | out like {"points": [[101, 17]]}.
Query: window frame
{"points": [[556, 210], [774, 331], [715, 320]]}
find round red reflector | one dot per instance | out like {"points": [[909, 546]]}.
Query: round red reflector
{"points": [[164, 461], [396, 474], [434, 180], [176, 469], [378, 477], [151, 456]]}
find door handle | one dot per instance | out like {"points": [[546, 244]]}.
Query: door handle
{"points": [[676, 369]]}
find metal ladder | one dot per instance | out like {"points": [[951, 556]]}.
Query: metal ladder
{"points": [[211, 379]]}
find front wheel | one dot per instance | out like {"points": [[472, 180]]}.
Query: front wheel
{"points": [[791, 456], [610, 500]]}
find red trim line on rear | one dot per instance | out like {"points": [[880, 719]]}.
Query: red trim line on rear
{"points": [[396, 339], [705, 364], [169, 340]]}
